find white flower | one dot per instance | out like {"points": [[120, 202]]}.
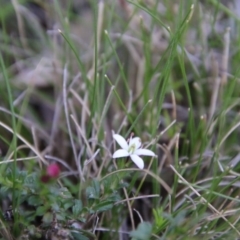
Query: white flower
{"points": [[132, 150]]}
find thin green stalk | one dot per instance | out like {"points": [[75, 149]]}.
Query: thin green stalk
{"points": [[13, 145], [95, 19], [119, 62]]}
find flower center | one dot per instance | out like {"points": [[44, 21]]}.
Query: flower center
{"points": [[132, 148]]}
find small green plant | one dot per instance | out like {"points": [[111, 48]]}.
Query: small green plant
{"points": [[158, 78]]}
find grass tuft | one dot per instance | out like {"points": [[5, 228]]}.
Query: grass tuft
{"points": [[73, 73]]}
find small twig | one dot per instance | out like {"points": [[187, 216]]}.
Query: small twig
{"points": [[65, 102], [30, 146]]}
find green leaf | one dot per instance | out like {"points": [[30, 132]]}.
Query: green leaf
{"points": [[61, 216], [103, 206], [90, 193], [34, 200], [114, 197], [31, 178], [41, 210], [32, 230], [55, 206], [47, 217], [65, 192], [78, 236], [4, 190], [77, 207], [67, 205], [143, 231], [93, 191], [159, 220]]}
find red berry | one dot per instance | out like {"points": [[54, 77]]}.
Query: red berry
{"points": [[53, 170], [45, 179]]}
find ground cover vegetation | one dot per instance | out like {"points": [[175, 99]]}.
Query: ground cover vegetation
{"points": [[119, 119]]}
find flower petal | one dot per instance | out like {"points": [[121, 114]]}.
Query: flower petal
{"points": [[145, 152], [137, 160], [121, 141], [135, 141], [121, 153]]}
